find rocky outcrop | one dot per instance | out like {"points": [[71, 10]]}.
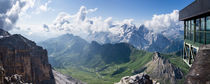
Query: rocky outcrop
{"points": [[200, 71], [158, 69], [137, 79], [63, 79], [22, 58], [162, 70]]}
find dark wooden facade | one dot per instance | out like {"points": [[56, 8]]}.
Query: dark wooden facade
{"points": [[198, 8]]}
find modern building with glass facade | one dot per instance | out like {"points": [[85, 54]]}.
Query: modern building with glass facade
{"points": [[196, 18]]}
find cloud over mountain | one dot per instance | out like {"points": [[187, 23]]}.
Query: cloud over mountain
{"points": [[81, 25], [10, 11], [160, 23]]}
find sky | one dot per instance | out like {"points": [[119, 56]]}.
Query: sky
{"points": [[39, 20]]}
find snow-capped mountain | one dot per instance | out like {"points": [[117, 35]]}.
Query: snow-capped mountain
{"points": [[142, 38]]}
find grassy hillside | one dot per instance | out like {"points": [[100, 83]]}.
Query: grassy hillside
{"points": [[109, 73], [100, 64], [112, 73]]}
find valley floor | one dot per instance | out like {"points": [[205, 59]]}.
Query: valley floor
{"points": [[112, 73]]}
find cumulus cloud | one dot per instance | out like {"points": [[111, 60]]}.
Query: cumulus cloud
{"points": [[163, 22], [81, 25], [10, 11], [43, 7]]}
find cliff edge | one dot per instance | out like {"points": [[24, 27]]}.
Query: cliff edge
{"points": [[22, 61]]}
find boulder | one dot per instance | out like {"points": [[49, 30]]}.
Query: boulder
{"points": [[141, 78]]}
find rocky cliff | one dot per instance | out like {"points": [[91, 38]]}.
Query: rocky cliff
{"points": [[22, 60], [162, 70], [158, 69], [137, 79], [200, 71]]}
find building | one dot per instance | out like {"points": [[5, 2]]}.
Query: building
{"points": [[196, 17]]}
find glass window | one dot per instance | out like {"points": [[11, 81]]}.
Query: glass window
{"points": [[208, 29], [202, 29], [208, 23], [185, 29], [197, 23], [192, 29], [192, 25], [202, 37], [202, 24], [207, 38], [188, 30]]}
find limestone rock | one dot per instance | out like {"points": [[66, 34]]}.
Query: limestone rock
{"points": [[161, 69], [21, 56], [137, 79]]}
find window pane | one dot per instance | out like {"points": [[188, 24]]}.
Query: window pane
{"points": [[208, 23], [192, 25], [207, 38], [197, 37], [185, 30], [192, 29], [202, 24], [188, 30], [197, 29], [202, 37], [197, 24]]}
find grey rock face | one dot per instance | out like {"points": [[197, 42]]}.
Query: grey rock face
{"points": [[158, 69], [136, 79], [200, 71], [161, 69], [63, 79], [21, 56]]}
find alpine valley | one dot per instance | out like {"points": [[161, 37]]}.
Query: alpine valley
{"points": [[102, 58]]}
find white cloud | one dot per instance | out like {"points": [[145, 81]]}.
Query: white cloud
{"points": [[163, 22], [28, 4], [11, 10], [81, 25], [45, 7], [42, 6]]}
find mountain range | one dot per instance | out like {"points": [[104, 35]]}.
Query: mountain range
{"points": [[143, 38], [96, 63]]}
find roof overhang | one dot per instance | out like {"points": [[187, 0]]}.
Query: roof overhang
{"points": [[197, 8]]}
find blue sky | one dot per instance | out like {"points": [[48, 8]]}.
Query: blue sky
{"points": [[39, 12], [140, 10]]}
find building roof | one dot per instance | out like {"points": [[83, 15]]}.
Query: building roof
{"points": [[197, 8]]}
